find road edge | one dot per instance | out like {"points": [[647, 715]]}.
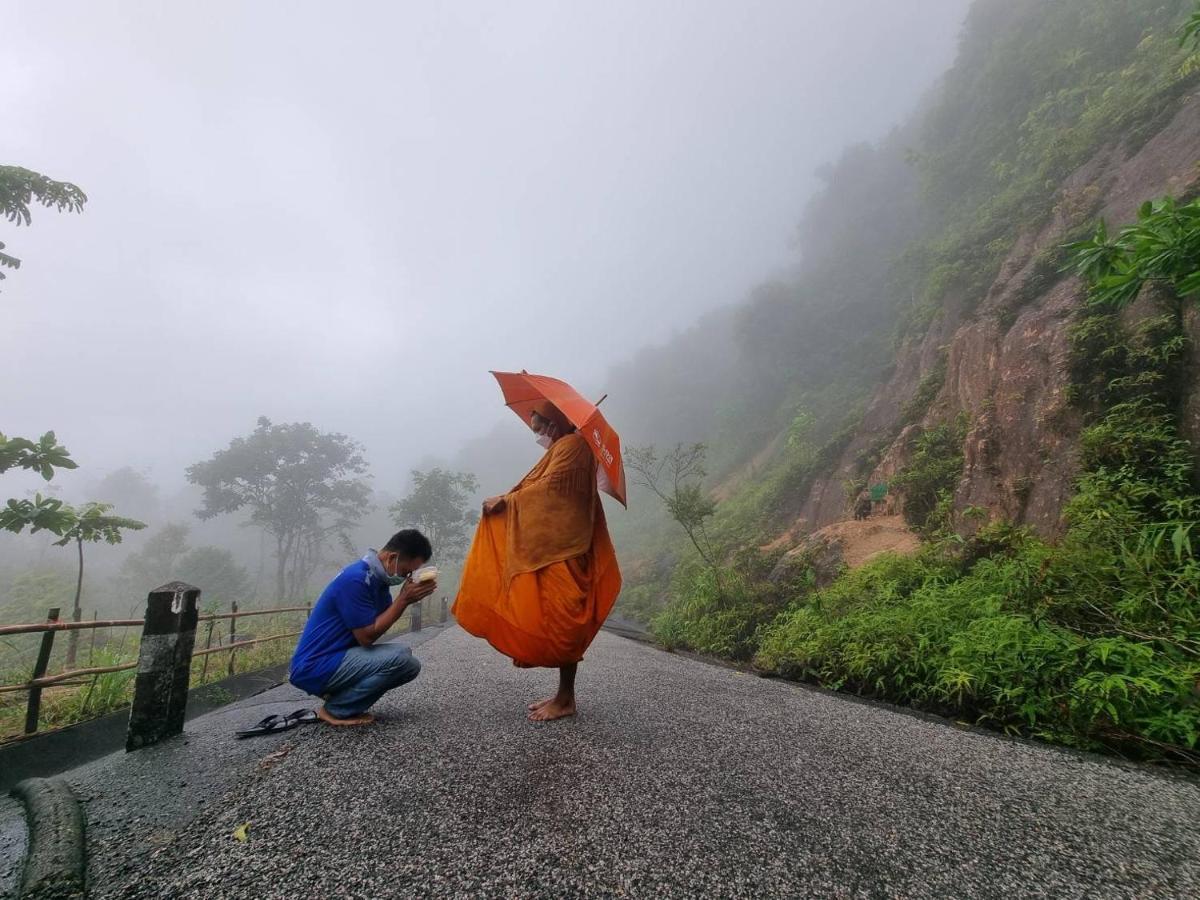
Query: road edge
{"points": [[56, 857], [1166, 771]]}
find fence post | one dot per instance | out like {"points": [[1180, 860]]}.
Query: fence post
{"points": [[92, 649], [233, 607], [415, 621], [442, 613], [39, 669], [164, 665], [207, 646]]}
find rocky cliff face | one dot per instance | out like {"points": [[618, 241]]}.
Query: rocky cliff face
{"points": [[1005, 362]]}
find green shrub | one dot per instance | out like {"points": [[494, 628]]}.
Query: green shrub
{"points": [[719, 620], [932, 473]]}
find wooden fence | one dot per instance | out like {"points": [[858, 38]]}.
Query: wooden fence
{"points": [[39, 680]]}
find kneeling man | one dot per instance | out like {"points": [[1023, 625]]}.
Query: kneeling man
{"points": [[337, 657]]}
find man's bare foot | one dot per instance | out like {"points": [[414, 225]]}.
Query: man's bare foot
{"points": [[555, 708], [539, 704], [349, 721]]}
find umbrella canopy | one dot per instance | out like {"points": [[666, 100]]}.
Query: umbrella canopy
{"points": [[523, 393]]}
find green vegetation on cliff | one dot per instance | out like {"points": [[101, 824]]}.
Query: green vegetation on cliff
{"points": [[1093, 640]]}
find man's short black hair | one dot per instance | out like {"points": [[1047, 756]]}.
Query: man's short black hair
{"points": [[410, 544]]}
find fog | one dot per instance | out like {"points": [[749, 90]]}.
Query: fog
{"points": [[348, 216]]}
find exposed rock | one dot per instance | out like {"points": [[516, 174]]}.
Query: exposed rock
{"points": [[1006, 364]]}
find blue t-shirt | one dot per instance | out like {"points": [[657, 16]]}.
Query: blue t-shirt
{"points": [[352, 600]]}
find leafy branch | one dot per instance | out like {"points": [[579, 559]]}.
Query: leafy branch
{"points": [[42, 456], [675, 479], [1163, 246], [1189, 33], [20, 188]]}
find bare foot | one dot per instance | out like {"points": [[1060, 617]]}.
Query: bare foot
{"points": [[539, 704], [553, 709], [349, 721]]}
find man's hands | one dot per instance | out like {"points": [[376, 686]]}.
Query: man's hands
{"points": [[493, 505], [409, 594], [414, 593]]}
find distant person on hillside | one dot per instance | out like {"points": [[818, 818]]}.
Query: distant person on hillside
{"points": [[337, 657], [542, 574]]}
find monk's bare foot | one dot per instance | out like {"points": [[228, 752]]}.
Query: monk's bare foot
{"points": [[539, 704], [349, 721], [556, 708]]}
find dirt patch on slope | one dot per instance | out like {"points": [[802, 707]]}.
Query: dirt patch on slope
{"points": [[861, 541], [846, 545]]}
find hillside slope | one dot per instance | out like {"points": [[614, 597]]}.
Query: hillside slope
{"points": [[1040, 438]]}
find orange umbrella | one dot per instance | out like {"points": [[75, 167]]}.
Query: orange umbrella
{"points": [[522, 394]]}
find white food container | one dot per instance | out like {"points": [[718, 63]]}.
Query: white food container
{"points": [[428, 573]]}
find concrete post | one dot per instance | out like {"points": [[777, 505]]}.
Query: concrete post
{"points": [[415, 620], [442, 612], [164, 665]]}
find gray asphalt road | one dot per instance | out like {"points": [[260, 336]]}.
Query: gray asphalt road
{"points": [[677, 779]]}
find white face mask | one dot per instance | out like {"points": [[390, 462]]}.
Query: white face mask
{"points": [[544, 440]]}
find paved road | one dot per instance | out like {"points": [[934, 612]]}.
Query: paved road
{"points": [[677, 779]]}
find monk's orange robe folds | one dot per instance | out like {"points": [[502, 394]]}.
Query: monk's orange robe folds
{"points": [[542, 575]]}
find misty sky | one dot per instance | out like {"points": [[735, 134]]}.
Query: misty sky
{"points": [[347, 214]]}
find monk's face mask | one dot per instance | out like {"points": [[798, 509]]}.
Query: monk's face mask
{"points": [[545, 431]]}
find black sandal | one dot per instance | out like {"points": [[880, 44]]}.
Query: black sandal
{"points": [[275, 723]]}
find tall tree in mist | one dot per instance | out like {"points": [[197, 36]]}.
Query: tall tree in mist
{"points": [[167, 556], [215, 571], [302, 486], [439, 504], [90, 524], [157, 562], [131, 491], [19, 188]]}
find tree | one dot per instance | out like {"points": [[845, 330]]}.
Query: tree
{"points": [[216, 573], [130, 490], [675, 479], [89, 524], [300, 485], [167, 557], [19, 188], [439, 504], [157, 562]]}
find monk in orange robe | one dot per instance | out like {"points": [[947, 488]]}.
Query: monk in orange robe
{"points": [[542, 575]]}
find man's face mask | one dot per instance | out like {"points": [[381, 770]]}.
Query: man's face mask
{"points": [[396, 579], [544, 440]]}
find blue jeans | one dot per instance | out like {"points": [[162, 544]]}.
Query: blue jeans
{"points": [[365, 675]]}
